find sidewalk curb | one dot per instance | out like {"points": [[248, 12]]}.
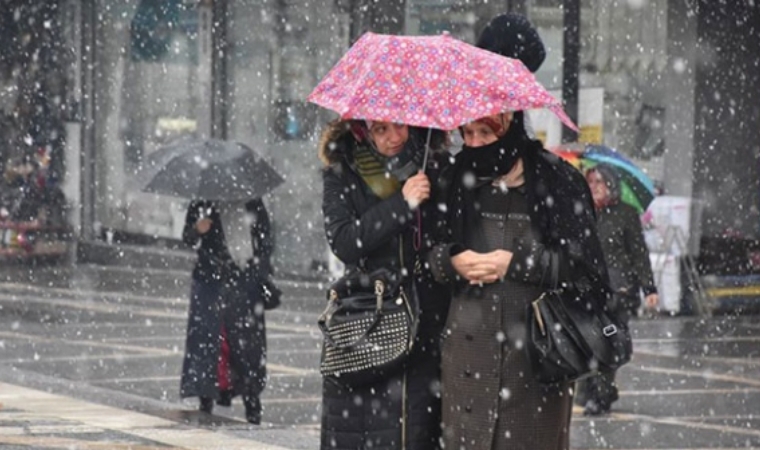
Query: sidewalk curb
{"points": [[135, 409]]}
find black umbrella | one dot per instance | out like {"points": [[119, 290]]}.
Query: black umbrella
{"points": [[208, 169]]}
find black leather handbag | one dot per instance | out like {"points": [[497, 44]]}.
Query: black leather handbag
{"points": [[369, 327], [571, 337]]}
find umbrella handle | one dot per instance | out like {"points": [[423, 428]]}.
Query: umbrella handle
{"points": [[427, 149], [418, 234]]}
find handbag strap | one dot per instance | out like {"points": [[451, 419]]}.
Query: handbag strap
{"points": [[554, 264], [380, 288], [325, 317], [326, 334], [552, 269]]}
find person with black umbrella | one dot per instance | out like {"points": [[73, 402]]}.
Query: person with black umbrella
{"points": [[228, 225]]}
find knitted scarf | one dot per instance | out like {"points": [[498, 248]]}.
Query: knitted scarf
{"points": [[373, 172]]}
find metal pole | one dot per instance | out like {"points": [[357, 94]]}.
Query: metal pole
{"points": [[219, 79], [571, 47], [88, 178], [205, 63]]}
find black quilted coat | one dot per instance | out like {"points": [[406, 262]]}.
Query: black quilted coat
{"points": [[402, 412]]}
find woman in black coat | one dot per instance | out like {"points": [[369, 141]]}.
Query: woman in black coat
{"points": [[376, 209], [512, 206], [225, 349]]}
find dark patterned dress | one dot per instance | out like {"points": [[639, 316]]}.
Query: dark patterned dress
{"points": [[490, 399]]}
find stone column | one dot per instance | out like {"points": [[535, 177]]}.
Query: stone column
{"points": [[680, 75]]}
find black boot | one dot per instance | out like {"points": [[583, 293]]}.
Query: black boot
{"points": [[597, 408], [225, 398], [252, 410], [207, 405]]}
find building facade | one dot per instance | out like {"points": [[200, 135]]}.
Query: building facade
{"points": [[674, 84]]}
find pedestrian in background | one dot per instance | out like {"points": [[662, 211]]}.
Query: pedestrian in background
{"points": [[381, 212], [225, 349], [629, 268]]}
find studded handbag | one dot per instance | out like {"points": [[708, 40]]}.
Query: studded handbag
{"points": [[369, 327]]}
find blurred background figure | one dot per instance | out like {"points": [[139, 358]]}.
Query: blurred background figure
{"points": [[225, 349], [630, 271]]}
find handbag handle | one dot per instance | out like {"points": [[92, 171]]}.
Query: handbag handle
{"points": [[325, 317]]}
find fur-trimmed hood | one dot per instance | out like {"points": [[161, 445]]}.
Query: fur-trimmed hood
{"points": [[334, 142]]}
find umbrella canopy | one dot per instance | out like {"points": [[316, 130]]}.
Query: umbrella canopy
{"points": [[636, 188], [602, 154], [209, 169], [428, 81]]}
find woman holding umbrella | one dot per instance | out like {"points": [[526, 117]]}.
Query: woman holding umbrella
{"points": [[225, 350], [629, 268], [380, 212], [512, 205]]}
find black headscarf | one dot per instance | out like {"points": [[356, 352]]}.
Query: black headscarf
{"points": [[559, 200], [474, 167]]}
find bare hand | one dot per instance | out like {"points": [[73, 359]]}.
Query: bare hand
{"points": [[651, 301], [490, 267], [203, 225], [416, 190], [464, 262], [481, 268]]}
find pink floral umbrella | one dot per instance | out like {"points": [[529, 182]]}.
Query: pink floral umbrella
{"points": [[429, 81]]}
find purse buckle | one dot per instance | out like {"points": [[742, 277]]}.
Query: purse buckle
{"points": [[537, 314], [609, 330], [379, 291]]}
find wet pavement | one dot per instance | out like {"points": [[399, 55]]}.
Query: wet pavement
{"points": [[90, 358]]}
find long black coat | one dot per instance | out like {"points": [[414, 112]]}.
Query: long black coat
{"points": [[490, 397], [403, 411], [225, 296]]}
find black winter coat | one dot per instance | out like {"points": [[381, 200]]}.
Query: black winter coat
{"points": [[402, 412], [625, 251], [488, 389], [225, 297]]}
